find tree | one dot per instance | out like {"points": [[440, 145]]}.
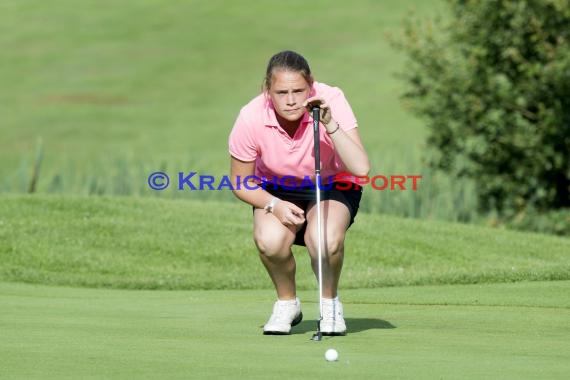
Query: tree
{"points": [[492, 81]]}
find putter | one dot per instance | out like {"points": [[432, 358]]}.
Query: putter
{"points": [[316, 111]]}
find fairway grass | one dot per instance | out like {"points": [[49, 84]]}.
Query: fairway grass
{"points": [[498, 331], [160, 79]]}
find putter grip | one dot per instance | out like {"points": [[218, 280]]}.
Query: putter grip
{"points": [[316, 111]]}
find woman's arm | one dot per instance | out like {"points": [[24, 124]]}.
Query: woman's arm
{"points": [[347, 144], [239, 171], [288, 213], [349, 148]]}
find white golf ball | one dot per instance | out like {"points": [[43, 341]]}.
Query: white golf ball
{"points": [[331, 355]]}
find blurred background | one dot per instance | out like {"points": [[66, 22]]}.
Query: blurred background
{"points": [[96, 95]]}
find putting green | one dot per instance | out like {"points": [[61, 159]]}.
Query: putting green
{"points": [[506, 331]]}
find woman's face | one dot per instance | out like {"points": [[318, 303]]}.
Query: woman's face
{"points": [[288, 91]]}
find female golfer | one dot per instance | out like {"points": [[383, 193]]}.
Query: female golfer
{"points": [[273, 169]]}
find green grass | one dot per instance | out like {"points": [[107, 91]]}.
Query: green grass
{"points": [[160, 78], [499, 331], [142, 243], [157, 79], [117, 90]]}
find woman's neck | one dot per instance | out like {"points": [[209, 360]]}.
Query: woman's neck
{"points": [[288, 126]]}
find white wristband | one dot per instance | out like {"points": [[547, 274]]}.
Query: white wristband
{"points": [[271, 204]]}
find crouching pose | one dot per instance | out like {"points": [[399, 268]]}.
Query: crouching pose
{"points": [[271, 148]]}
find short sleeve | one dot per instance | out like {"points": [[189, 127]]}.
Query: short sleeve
{"points": [[241, 142], [342, 111]]}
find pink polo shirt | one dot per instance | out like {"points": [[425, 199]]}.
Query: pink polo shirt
{"points": [[257, 136]]}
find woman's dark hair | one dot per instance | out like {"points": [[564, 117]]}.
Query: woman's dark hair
{"points": [[289, 61]]}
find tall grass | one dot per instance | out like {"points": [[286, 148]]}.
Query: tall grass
{"points": [[436, 197], [144, 243]]}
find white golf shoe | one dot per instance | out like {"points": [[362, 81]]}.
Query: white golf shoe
{"points": [[333, 319], [285, 314]]}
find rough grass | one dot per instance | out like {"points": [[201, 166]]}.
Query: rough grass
{"points": [[180, 244]]}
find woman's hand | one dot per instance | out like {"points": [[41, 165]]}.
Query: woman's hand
{"points": [[347, 144], [289, 214], [325, 114]]}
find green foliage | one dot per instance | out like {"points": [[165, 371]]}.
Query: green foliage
{"points": [[552, 222], [493, 83]]}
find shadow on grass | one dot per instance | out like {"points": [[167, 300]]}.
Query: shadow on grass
{"points": [[354, 325]]}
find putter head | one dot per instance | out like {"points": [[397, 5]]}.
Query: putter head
{"points": [[318, 335]]}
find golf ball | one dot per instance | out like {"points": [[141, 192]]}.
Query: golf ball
{"points": [[331, 355]]}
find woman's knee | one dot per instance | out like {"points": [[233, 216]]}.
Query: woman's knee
{"points": [[333, 243], [273, 245]]}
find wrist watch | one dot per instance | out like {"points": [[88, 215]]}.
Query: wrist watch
{"points": [[271, 204]]}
